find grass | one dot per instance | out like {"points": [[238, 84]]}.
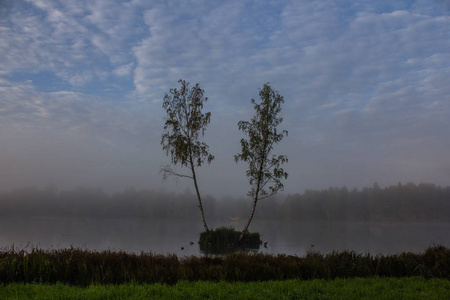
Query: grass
{"points": [[224, 240], [355, 288], [83, 268]]}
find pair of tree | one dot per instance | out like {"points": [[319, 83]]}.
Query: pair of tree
{"points": [[185, 122]]}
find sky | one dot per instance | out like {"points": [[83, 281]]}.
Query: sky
{"points": [[366, 86]]}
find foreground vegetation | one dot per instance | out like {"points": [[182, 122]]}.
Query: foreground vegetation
{"points": [[84, 268], [355, 288]]}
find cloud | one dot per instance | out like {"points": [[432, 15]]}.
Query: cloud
{"points": [[212, 47], [365, 83], [80, 42], [124, 70]]}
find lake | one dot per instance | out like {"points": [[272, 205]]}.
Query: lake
{"points": [[175, 236]]}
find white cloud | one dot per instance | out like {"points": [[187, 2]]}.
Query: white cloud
{"points": [[71, 40], [80, 79], [124, 70]]}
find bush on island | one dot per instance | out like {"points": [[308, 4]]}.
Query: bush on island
{"points": [[224, 240]]}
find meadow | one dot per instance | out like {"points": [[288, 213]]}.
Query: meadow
{"points": [[354, 288], [82, 274]]}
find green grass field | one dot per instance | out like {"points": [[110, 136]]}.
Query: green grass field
{"points": [[354, 288]]}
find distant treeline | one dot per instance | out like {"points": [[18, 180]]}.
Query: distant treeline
{"points": [[398, 203]]}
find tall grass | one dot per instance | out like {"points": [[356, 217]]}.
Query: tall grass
{"points": [[82, 267]]}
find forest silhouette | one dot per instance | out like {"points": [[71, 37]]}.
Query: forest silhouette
{"points": [[397, 203]]}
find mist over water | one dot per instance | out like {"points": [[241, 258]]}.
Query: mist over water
{"points": [[175, 236], [372, 220]]}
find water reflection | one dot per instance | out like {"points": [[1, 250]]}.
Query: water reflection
{"points": [[181, 236]]}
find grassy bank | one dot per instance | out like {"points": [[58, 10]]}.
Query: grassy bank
{"points": [[355, 288], [83, 268]]}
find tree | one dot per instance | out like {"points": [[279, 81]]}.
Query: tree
{"points": [[183, 125], [264, 168]]}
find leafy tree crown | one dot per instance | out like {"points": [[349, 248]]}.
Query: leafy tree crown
{"points": [[265, 169], [184, 124]]}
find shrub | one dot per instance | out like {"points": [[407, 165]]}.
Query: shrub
{"points": [[224, 240]]}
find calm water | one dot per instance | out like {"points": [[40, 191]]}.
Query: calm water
{"points": [[169, 236]]}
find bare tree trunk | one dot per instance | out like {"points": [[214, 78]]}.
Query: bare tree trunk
{"points": [[255, 200], [200, 206], [250, 218], [258, 186]]}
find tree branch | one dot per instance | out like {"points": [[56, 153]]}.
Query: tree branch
{"points": [[167, 171]]}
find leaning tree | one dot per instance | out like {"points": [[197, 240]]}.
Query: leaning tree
{"points": [[183, 126], [265, 171]]}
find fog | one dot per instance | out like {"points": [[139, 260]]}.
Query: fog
{"points": [[396, 203]]}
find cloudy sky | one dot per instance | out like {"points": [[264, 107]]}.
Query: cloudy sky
{"points": [[366, 87]]}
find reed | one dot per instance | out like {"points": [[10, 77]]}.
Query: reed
{"points": [[83, 267]]}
